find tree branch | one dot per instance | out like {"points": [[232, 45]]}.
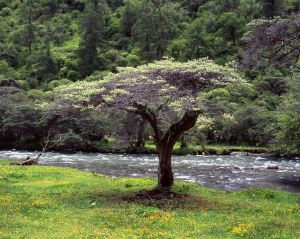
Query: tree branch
{"points": [[187, 122], [149, 116]]}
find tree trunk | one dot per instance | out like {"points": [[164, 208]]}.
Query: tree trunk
{"points": [[165, 174], [183, 142], [165, 147], [166, 141], [30, 31], [140, 139]]}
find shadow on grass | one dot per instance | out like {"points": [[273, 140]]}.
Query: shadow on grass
{"points": [[168, 200], [146, 197]]}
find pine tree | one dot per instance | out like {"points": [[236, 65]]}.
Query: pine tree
{"points": [[272, 8], [27, 13], [92, 36], [156, 26]]}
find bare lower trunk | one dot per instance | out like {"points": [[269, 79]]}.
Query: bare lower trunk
{"points": [[165, 141], [165, 147], [165, 174]]}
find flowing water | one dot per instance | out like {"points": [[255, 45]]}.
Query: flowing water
{"points": [[231, 172]]}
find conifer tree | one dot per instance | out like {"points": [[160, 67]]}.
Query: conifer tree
{"points": [[92, 36], [27, 13]]}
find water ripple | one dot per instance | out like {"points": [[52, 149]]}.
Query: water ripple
{"points": [[230, 172]]}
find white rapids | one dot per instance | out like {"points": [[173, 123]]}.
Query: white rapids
{"points": [[231, 172]]}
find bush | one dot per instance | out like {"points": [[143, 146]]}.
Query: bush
{"points": [[133, 60], [55, 83], [35, 94], [71, 65], [288, 137], [5, 70], [63, 72], [6, 12], [97, 75], [72, 75], [71, 141]]}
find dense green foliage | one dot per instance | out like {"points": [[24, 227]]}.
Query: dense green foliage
{"points": [[49, 43], [50, 202]]}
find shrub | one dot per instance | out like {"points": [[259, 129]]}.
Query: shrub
{"points": [[72, 75], [55, 83], [6, 12]]}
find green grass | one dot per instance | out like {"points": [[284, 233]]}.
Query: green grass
{"points": [[51, 202]]}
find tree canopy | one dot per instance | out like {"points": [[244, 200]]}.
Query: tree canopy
{"points": [[274, 42]]}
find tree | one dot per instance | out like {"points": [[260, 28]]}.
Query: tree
{"points": [[46, 61], [156, 26], [193, 5], [250, 9], [50, 7], [288, 133], [6, 71], [276, 43], [230, 27], [293, 6], [273, 42], [129, 16], [23, 124], [272, 8], [92, 37], [215, 33], [27, 12], [164, 93], [195, 43]]}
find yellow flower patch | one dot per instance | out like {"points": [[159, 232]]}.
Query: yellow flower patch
{"points": [[5, 200], [40, 203], [242, 229], [160, 215]]}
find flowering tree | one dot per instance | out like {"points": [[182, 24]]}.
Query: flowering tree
{"points": [[164, 93]]}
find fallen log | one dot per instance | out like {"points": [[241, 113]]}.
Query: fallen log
{"points": [[34, 160], [28, 162]]}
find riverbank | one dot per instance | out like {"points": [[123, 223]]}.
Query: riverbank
{"points": [[150, 148], [52, 202]]}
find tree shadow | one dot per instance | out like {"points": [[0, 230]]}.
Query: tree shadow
{"points": [[168, 200], [164, 200]]}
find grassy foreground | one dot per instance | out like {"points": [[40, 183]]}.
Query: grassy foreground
{"points": [[52, 202]]}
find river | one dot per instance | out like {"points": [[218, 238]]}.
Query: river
{"points": [[232, 172]]}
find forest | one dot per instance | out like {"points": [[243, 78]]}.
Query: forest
{"points": [[53, 51]]}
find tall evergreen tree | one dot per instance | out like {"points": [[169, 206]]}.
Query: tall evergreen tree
{"points": [[249, 9], [129, 16], [156, 26], [92, 36], [272, 8], [27, 13]]}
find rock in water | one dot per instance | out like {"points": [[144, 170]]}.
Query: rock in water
{"points": [[273, 167]]}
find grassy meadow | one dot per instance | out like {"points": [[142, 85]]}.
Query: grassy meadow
{"points": [[53, 202]]}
